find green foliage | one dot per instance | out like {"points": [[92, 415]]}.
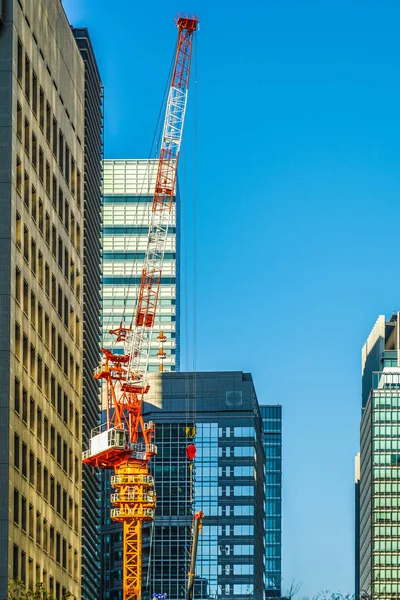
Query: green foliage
{"points": [[18, 591]]}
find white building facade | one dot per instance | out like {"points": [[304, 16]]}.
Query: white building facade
{"points": [[128, 194]]}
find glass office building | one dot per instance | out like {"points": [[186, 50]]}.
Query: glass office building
{"points": [[272, 427], [227, 484], [379, 483], [128, 194]]}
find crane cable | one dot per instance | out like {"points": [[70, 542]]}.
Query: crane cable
{"points": [[191, 411]]}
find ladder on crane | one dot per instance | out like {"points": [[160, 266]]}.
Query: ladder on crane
{"points": [[125, 443]]}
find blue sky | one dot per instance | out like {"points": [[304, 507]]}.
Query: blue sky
{"points": [[297, 211]]}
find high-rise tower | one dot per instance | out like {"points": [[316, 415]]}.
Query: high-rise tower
{"points": [[42, 137], [92, 205], [128, 194], [378, 479], [227, 484]]}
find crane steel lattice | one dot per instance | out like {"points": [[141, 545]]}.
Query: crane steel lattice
{"points": [[125, 442]]}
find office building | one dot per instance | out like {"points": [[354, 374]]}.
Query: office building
{"points": [[41, 307], [92, 215], [227, 484], [272, 427], [379, 481], [128, 194]]}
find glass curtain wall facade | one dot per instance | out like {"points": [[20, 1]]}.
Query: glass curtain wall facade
{"points": [[272, 427], [227, 484], [128, 195], [379, 485], [92, 206], [42, 132]]}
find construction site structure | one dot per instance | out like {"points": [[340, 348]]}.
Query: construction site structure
{"points": [[125, 443]]}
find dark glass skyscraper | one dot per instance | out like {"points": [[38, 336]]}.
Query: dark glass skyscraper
{"points": [[93, 155], [228, 485], [272, 427]]}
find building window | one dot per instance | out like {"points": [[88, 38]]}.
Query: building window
{"points": [[26, 189], [33, 256], [47, 279], [48, 178], [19, 179], [243, 471], [15, 562], [18, 230], [54, 192], [54, 137], [47, 229], [27, 135], [25, 351], [78, 187], [23, 513], [19, 62], [48, 122], [247, 530], [243, 451], [41, 164], [17, 396], [34, 92], [243, 490], [41, 108], [61, 151], [67, 164], [41, 220], [73, 176], [33, 203], [27, 78], [16, 451], [19, 121], [24, 405]]}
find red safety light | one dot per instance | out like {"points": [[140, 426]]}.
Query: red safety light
{"points": [[191, 451]]}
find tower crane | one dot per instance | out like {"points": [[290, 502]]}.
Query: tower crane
{"points": [[125, 442]]}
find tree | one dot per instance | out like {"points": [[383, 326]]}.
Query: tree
{"points": [[17, 591]]}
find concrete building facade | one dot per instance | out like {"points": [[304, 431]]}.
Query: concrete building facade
{"points": [[41, 307], [378, 483]]}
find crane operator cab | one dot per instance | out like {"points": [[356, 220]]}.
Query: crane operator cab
{"points": [[102, 442]]}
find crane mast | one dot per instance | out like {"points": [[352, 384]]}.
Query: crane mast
{"points": [[125, 442]]}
